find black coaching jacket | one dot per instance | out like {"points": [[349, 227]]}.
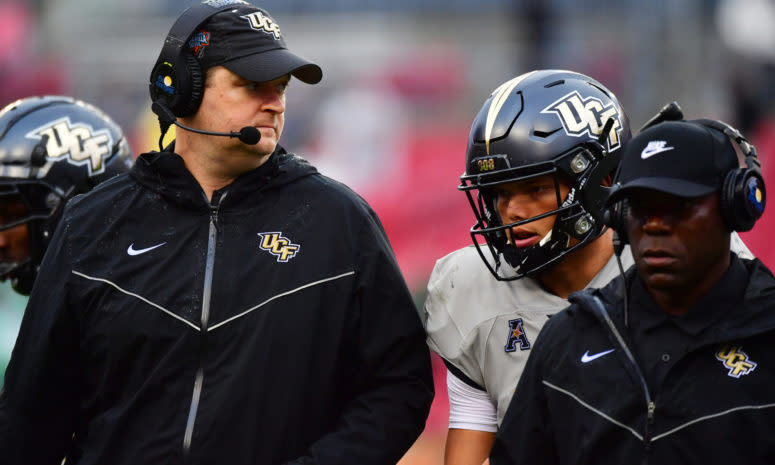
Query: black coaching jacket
{"points": [[269, 326], [715, 406]]}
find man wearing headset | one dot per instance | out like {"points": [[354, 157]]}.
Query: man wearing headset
{"points": [[224, 303], [660, 366], [541, 155]]}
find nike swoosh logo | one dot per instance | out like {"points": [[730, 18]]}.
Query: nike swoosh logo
{"points": [[586, 358], [132, 251], [646, 153]]}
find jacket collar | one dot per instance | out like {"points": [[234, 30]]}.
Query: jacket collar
{"points": [[755, 314], [166, 174]]}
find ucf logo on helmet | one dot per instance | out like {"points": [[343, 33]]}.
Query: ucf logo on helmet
{"points": [[581, 116], [79, 142]]}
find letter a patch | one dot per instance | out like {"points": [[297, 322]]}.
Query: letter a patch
{"points": [[516, 334]]}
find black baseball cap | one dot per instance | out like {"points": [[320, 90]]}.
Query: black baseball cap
{"points": [[248, 42], [681, 158]]}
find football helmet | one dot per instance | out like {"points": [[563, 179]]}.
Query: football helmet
{"points": [[51, 149], [545, 122]]}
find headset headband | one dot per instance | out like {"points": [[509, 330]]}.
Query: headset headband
{"points": [[186, 24], [751, 159]]}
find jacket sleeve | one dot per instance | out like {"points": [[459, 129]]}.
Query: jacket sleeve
{"points": [[525, 435], [393, 382], [38, 403]]}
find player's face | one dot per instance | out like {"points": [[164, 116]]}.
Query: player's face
{"points": [[676, 242], [230, 103], [520, 200], [14, 242]]}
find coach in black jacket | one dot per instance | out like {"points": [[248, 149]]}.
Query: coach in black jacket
{"points": [[223, 304], [680, 371]]}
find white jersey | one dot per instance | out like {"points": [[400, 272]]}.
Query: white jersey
{"points": [[484, 328]]}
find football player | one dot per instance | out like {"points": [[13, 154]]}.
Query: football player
{"points": [[51, 149], [541, 156]]}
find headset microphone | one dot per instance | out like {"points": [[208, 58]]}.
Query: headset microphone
{"points": [[247, 135]]}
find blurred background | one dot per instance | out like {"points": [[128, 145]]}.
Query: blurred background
{"points": [[402, 82]]}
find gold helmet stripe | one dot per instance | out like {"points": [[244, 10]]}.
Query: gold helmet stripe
{"points": [[499, 97]]}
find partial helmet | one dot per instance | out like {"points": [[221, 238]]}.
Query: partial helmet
{"points": [[51, 149], [547, 122]]}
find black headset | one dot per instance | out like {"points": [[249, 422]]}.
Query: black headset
{"points": [[742, 196], [177, 80]]}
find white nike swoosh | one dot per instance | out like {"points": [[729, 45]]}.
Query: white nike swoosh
{"points": [[586, 358], [132, 251], [650, 153]]}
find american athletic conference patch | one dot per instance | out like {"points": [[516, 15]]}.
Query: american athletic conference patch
{"points": [[516, 335], [198, 42]]}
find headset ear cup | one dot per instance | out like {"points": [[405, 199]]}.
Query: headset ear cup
{"points": [[615, 218], [742, 199], [177, 82], [750, 199], [194, 89], [726, 200]]}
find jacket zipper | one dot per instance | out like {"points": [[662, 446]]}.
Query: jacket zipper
{"points": [[651, 406], [204, 320]]}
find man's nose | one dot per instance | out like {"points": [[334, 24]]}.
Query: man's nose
{"points": [[516, 208], [274, 102], [656, 221]]}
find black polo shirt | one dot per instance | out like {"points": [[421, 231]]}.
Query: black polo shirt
{"points": [[658, 339]]}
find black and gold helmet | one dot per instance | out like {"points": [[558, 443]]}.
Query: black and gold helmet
{"points": [[546, 122], [51, 149]]}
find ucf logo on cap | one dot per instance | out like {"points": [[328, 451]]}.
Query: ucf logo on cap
{"points": [[580, 116], [78, 142], [260, 22]]}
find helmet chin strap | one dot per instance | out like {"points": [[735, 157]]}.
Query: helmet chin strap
{"points": [[545, 239]]}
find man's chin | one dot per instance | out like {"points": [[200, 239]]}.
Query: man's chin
{"points": [[662, 281]]}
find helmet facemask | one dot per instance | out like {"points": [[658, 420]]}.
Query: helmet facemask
{"points": [[37, 205], [577, 215]]}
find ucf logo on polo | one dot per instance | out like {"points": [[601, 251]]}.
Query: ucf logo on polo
{"points": [[78, 142], [735, 360], [278, 245], [260, 22], [586, 116]]}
